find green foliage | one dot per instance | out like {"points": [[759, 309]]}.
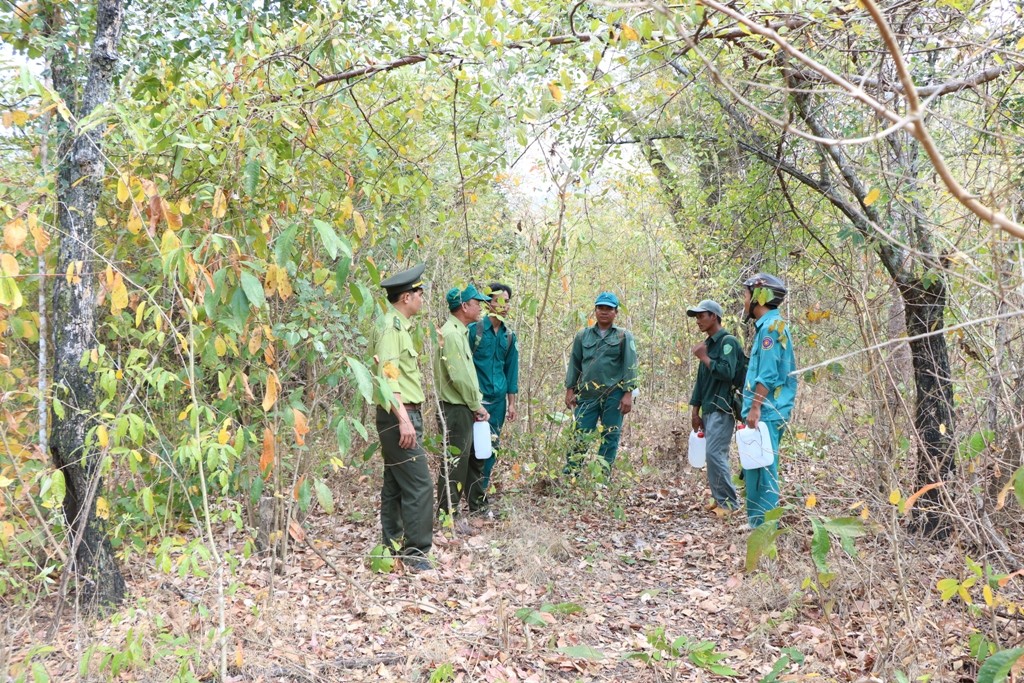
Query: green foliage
{"points": [[382, 560], [445, 673], [532, 617], [702, 653], [998, 665], [790, 656]]}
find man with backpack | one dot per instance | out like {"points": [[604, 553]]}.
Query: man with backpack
{"points": [[496, 357], [711, 402]]}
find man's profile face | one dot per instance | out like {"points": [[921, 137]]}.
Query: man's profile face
{"points": [[498, 304], [747, 299], [472, 309], [414, 300], [705, 321]]}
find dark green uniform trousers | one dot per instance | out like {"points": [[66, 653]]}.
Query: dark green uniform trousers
{"points": [[407, 494], [460, 471]]}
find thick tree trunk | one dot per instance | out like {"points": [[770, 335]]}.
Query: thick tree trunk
{"points": [[79, 182], [925, 305]]}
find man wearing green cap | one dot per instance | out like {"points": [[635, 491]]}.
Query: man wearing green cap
{"points": [[600, 380], [711, 400], [461, 404], [406, 495]]}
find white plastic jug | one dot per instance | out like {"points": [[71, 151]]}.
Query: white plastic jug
{"points": [[755, 446], [482, 440], [697, 451]]}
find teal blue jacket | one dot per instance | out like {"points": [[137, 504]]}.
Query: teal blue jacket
{"points": [[771, 362], [496, 357]]}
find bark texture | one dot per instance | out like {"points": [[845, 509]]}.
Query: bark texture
{"points": [[79, 182]]}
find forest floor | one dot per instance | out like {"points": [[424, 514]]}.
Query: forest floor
{"points": [[565, 584]]}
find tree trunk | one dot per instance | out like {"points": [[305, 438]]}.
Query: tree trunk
{"points": [[925, 304], [79, 182]]}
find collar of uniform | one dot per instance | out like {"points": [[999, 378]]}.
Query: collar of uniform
{"points": [[717, 336], [772, 314], [486, 322], [458, 323], [405, 322], [596, 328]]}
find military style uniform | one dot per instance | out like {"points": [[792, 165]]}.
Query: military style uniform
{"points": [[712, 393], [601, 369], [459, 391], [496, 357], [407, 494], [771, 362]]}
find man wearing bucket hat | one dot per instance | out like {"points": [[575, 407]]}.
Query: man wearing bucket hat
{"points": [[407, 492], [599, 381], [461, 404], [770, 389], [711, 400]]}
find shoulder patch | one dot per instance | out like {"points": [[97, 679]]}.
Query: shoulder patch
{"points": [[397, 323], [727, 349], [767, 343]]}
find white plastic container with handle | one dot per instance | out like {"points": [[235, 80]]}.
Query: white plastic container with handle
{"points": [[697, 451], [755, 446], [482, 440]]}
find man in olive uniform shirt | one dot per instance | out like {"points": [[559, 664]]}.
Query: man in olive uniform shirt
{"points": [[600, 380], [711, 400], [496, 357], [461, 404], [406, 495]]}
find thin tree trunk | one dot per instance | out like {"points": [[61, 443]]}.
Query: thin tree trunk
{"points": [[79, 182]]}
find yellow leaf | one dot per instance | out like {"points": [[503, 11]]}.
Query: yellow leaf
{"points": [[185, 206], [224, 435], [360, 224], [102, 437], [102, 508], [894, 497], [134, 221], [270, 281], [118, 295], [942, 428], [220, 346], [172, 217], [6, 533], [123, 193], [138, 313], [986, 592], [94, 356], [168, 243], [872, 197], [270, 396], [15, 233], [42, 241], [811, 501], [1020, 45], [301, 426], [629, 33], [238, 655], [267, 456], [864, 513], [390, 370], [556, 92], [9, 265], [220, 204], [345, 209]]}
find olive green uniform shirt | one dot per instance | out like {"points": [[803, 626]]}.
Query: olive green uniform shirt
{"points": [[395, 355], [454, 372], [602, 364], [713, 389]]}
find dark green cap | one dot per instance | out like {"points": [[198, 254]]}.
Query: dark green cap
{"points": [[405, 281]]}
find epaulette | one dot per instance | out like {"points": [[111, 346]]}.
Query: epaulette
{"points": [[398, 323]]}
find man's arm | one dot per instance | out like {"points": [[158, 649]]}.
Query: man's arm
{"points": [[512, 377], [724, 367], [572, 373], [462, 372], [629, 362]]}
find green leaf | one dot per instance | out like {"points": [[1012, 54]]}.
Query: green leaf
{"points": [[975, 444], [283, 245], [996, 667], [948, 588], [760, 542], [582, 652], [253, 289], [251, 176], [147, 500], [332, 242], [324, 496], [1018, 485], [363, 378], [381, 561], [305, 495], [530, 616], [820, 546], [58, 487]]}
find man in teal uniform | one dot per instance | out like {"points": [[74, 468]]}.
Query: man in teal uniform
{"points": [[461, 404], [711, 400], [496, 357], [599, 381], [406, 495], [770, 388]]}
